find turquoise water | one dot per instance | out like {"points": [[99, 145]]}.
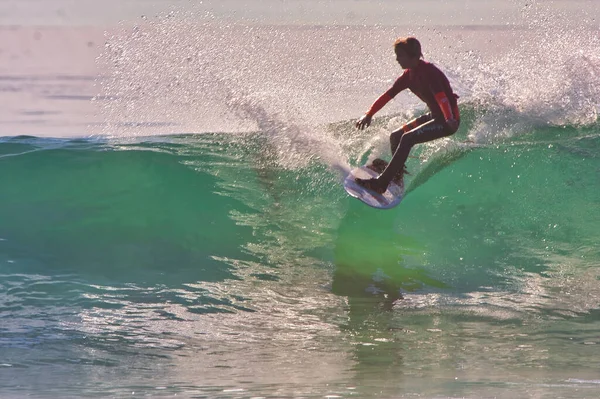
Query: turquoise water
{"points": [[198, 266], [185, 233]]}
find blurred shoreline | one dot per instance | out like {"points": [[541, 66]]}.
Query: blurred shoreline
{"points": [[48, 78]]}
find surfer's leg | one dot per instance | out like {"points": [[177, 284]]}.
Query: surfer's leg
{"points": [[396, 135], [428, 131], [378, 165]]}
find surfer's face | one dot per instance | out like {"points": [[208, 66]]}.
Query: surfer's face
{"points": [[406, 61]]}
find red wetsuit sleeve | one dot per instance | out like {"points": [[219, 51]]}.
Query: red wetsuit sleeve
{"points": [[400, 84], [444, 98], [379, 103], [444, 104]]}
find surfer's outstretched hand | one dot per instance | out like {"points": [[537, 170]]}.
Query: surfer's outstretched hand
{"points": [[363, 122]]}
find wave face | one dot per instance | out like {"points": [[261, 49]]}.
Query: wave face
{"points": [[112, 254]]}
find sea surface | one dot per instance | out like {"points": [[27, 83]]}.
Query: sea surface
{"points": [[173, 224]]}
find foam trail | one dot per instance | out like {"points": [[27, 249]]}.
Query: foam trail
{"points": [[296, 144]]}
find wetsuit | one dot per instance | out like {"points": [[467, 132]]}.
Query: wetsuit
{"points": [[430, 84]]}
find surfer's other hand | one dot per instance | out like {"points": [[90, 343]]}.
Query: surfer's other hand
{"points": [[452, 124], [363, 122]]}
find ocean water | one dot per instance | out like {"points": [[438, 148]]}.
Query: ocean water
{"points": [[172, 220]]}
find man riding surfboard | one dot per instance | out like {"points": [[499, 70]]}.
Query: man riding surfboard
{"points": [[428, 83]]}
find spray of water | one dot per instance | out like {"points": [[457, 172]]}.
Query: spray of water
{"points": [[184, 73], [547, 76]]}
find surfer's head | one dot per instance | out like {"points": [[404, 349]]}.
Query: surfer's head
{"points": [[408, 52]]}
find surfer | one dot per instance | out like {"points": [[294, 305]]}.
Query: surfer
{"points": [[428, 83]]}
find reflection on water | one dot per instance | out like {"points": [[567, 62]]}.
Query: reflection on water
{"points": [[370, 257]]}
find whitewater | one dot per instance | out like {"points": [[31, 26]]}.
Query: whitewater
{"points": [[172, 219]]}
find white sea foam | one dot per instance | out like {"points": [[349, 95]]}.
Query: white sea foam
{"points": [[549, 76]]}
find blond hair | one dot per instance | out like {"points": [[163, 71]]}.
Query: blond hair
{"points": [[410, 45]]}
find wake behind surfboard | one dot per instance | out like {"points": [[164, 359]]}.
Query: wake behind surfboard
{"points": [[389, 199]]}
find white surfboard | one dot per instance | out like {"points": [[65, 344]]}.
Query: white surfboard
{"points": [[392, 196]]}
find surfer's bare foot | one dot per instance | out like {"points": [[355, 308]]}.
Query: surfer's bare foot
{"points": [[372, 184], [378, 165]]}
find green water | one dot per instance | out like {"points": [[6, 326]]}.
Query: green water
{"points": [[204, 266]]}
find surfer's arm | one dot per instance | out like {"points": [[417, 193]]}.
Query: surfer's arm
{"points": [[379, 103], [365, 120], [400, 84], [440, 88], [442, 100]]}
